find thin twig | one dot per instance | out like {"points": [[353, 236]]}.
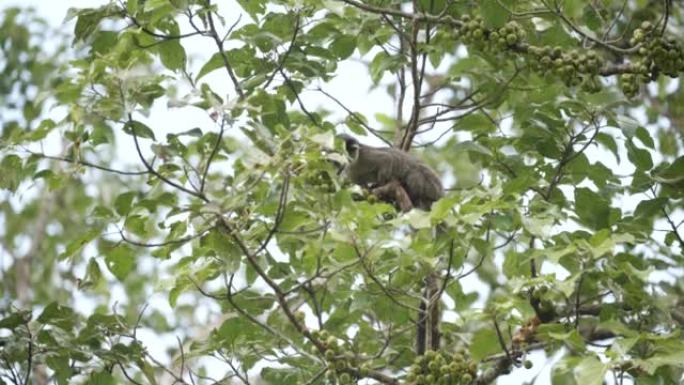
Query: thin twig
{"points": [[224, 56], [355, 116], [152, 171], [283, 59], [219, 140], [85, 163]]}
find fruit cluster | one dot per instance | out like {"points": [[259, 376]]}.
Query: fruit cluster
{"points": [[473, 31], [653, 54], [439, 368], [574, 67], [509, 35], [340, 361], [656, 54]]}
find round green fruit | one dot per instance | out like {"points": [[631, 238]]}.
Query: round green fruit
{"points": [[345, 378], [511, 38]]}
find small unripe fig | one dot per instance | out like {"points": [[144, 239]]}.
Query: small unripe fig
{"points": [[511, 38], [345, 378]]}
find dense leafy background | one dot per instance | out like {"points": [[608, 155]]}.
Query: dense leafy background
{"points": [[171, 211]]}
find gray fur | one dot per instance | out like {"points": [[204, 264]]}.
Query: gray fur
{"points": [[373, 167]]}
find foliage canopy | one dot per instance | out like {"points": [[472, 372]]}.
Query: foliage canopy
{"points": [[185, 150]]}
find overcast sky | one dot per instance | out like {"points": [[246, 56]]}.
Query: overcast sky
{"points": [[53, 11]]}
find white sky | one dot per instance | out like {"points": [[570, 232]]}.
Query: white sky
{"points": [[53, 11]]}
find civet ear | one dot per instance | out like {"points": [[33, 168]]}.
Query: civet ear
{"points": [[351, 145]]}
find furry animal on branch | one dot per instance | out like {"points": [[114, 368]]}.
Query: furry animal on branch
{"points": [[384, 170], [398, 177]]}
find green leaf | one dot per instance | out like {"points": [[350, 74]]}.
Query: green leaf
{"points": [[441, 209], [538, 225], [592, 19], [343, 46], [590, 371], [124, 202], [11, 172], [485, 342], [225, 249], [12, 321], [44, 128], [253, 7], [101, 378], [61, 316], [477, 123], [79, 243], [182, 284], [354, 123], [628, 125], [650, 207], [562, 375], [667, 140], [87, 23], [172, 54], [148, 371], [60, 365], [215, 62], [120, 261], [515, 264], [132, 6], [178, 229], [471, 146], [254, 81], [104, 42], [180, 4], [645, 137], [280, 376], [591, 208], [419, 219], [674, 173], [102, 212], [381, 63], [93, 272], [136, 224], [494, 15], [139, 129], [293, 220], [668, 353], [232, 330], [101, 134], [573, 8], [639, 157], [345, 253], [609, 142]]}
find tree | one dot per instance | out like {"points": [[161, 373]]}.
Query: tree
{"points": [[557, 125]]}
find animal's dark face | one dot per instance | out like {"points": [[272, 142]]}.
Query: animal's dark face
{"points": [[351, 145]]}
